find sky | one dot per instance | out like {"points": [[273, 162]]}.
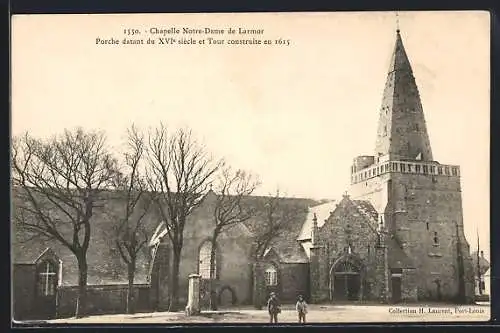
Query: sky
{"points": [[295, 115]]}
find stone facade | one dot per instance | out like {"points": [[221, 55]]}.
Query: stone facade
{"points": [[397, 237], [238, 280], [417, 199]]}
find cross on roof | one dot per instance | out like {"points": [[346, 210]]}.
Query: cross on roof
{"points": [[397, 21]]}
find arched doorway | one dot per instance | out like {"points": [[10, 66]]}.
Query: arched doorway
{"points": [[227, 297], [346, 280]]}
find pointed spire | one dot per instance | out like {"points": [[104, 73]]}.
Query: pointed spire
{"points": [[402, 130]]}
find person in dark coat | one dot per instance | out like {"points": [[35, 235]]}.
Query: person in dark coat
{"points": [[274, 307]]}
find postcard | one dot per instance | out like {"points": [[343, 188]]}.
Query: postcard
{"points": [[261, 168]]}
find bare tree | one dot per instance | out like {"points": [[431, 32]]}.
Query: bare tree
{"points": [[275, 216], [131, 233], [57, 184], [230, 210], [179, 171]]}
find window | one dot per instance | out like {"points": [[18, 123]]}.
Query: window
{"points": [[454, 171], [427, 225], [403, 167], [417, 168], [440, 170], [394, 167], [447, 171], [204, 268], [426, 169], [271, 276], [409, 167], [433, 169], [47, 279]]}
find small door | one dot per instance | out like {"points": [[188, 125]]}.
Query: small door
{"points": [[226, 297], [396, 289], [45, 306]]}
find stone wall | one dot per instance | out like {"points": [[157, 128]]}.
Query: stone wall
{"points": [[409, 285], [23, 291], [294, 282], [345, 226], [232, 255], [160, 276], [103, 299], [372, 189], [419, 206], [432, 209]]}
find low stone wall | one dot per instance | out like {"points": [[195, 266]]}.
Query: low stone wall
{"points": [[103, 299]]}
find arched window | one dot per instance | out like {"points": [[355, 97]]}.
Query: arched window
{"points": [[47, 279], [271, 276], [204, 260]]}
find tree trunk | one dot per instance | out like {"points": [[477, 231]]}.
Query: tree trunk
{"points": [[130, 287], [81, 301], [174, 290], [212, 291]]}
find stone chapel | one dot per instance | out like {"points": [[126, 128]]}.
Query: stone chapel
{"points": [[395, 236], [398, 235]]}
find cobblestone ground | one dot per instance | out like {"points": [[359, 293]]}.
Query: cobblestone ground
{"points": [[317, 314]]}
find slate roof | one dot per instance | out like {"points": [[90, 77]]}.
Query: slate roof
{"points": [[322, 212], [104, 262], [287, 247], [367, 209]]}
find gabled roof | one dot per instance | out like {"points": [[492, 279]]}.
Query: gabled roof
{"points": [[367, 210], [105, 265], [286, 246], [104, 261], [322, 212]]}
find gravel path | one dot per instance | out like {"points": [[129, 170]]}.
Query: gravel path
{"points": [[317, 314]]}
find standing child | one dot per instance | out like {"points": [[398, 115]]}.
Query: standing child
{"points": [[273, 306], [301, 307]]}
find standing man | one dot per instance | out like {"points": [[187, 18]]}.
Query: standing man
{"points": [[301, 308], [273, 306]]}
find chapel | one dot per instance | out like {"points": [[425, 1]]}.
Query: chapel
{"points": [[396, 235]]}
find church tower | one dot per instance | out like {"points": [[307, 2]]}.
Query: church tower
{"points": [[402, 132], [418, 199]]}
